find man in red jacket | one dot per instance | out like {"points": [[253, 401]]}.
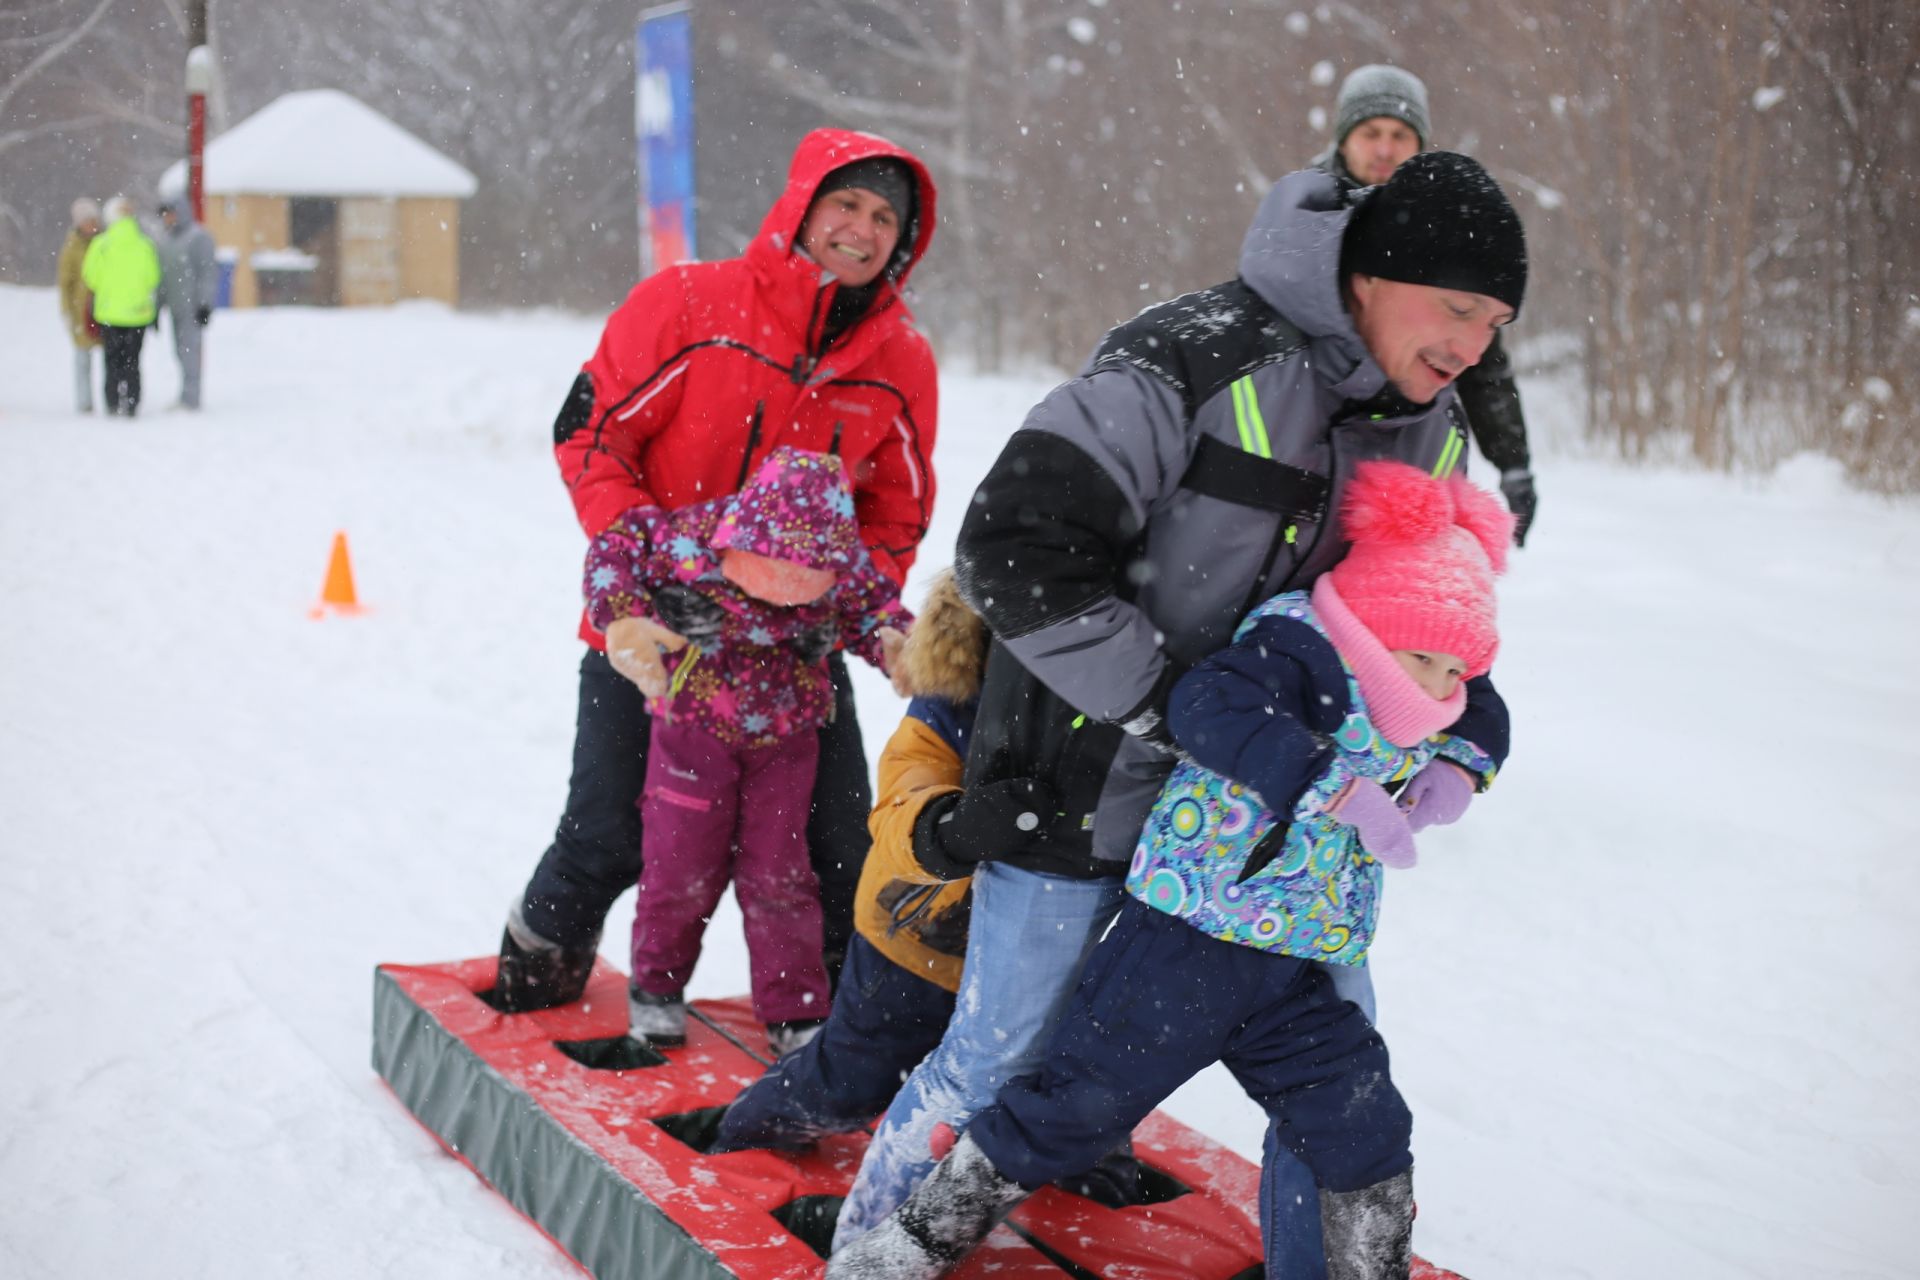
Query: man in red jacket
{"points": [[803, 340]]}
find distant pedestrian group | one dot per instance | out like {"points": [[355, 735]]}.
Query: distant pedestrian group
{"points": [[115, 279]]}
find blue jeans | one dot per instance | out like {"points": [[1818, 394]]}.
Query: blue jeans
{"points": [[1289, 1200], [1029, 936]]}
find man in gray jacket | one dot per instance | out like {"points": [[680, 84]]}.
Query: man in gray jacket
{"points": [[1193, 470], [189, 276]]}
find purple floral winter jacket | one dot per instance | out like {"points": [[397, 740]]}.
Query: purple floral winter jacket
{"points": [[757, 672]]}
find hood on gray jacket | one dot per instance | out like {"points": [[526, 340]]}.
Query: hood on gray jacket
{"points": [[1291, 258]]}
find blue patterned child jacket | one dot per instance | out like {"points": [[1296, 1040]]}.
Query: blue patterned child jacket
{"points": [[1278, 714]]}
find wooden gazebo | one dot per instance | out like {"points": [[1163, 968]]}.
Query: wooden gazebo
{"points": [[318, 198]]}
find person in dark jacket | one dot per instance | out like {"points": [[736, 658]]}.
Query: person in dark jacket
{"points": [[1141, 512], [803, 340], [1258, 871], [1379, 121]]}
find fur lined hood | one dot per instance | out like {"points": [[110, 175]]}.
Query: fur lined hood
{"points": [[946, 651]]}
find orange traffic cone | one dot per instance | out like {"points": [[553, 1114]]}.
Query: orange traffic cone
{"points": [[337, 595]]}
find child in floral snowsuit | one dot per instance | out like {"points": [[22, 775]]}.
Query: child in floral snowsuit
{"points": [[1260, 864], [763, 584]]}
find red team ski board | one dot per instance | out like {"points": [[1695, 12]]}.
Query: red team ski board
{"points": [[599, 1142]]}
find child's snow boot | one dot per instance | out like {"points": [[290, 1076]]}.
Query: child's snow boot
{"points": [[538, 974], [659, 1020], [784, 1037], [1369, 1233], [950, 1213]]}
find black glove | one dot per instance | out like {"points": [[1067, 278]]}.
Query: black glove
{"points": [[1517, 487], [688, 612], [201, 315], [987, 823], [815, 643]]}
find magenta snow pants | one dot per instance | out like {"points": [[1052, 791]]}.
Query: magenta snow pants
{"points": [[711, 813]]}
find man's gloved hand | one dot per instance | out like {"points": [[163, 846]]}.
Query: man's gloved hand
{"points": [[633, 647], [982, 824], [1436, 796], [201, 315], [686, 611], [1368, 809], [1517, 487]]}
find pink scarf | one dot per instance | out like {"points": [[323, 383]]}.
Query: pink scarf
{"points": [[1403, 713]]}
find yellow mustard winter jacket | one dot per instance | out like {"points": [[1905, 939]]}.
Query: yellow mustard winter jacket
{"points": [[75, 297], [915, 919]]}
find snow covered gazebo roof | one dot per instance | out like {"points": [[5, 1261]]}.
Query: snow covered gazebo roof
{"points": [[322, 142]]}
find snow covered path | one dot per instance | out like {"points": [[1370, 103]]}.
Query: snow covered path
{"points": [[1654, 1002]]}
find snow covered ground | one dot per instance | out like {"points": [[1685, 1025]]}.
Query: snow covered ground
{"points": [[1653, 1002]]}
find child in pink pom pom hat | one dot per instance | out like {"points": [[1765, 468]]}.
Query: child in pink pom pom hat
{"points": [[1326, 699]]}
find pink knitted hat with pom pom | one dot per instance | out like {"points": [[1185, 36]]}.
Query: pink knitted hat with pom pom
{"points": [[1425, 553]]}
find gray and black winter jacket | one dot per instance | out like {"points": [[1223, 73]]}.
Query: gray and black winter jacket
{"points": [[1146, 506], [1488, 393], [189, 270]]}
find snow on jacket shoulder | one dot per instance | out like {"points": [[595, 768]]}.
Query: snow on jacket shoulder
{"points": [[707, 367], [1275, 725], [1146, 506]]}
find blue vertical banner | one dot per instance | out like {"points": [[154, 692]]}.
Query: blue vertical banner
{"points": [[663, 130]]}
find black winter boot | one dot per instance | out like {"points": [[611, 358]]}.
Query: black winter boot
{"points": [[537, 974], [950, 1213], [1369, 1232]]}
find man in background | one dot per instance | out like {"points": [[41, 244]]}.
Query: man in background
{"points": [[1380, 119], [188, 278]]}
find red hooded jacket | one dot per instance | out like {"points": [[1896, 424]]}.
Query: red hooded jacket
{"points": [[709, 366]]}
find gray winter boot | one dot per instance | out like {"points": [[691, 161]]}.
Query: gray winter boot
{"points": [[1369, 1232], [784, 1037], [952, 1211], [659, 1020], [537, 974]]}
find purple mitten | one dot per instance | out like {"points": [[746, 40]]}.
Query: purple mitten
{"points": [[1368, 809], [1436, 796]]}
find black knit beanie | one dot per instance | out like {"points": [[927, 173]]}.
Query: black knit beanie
{"points": [[1441, 220]]}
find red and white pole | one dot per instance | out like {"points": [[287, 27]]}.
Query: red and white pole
{"points": [[199, 83]]}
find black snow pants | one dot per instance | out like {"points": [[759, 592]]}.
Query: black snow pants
{"points": [[123, 367]]}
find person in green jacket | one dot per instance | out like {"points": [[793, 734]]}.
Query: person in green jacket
{"points": [[123, 271], [76, 302]]}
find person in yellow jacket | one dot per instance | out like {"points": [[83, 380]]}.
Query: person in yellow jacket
{"points": [[897, 990], [76, 300], [122, 269]]}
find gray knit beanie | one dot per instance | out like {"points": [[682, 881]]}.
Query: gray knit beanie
{"points": [[1380, 90]]}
